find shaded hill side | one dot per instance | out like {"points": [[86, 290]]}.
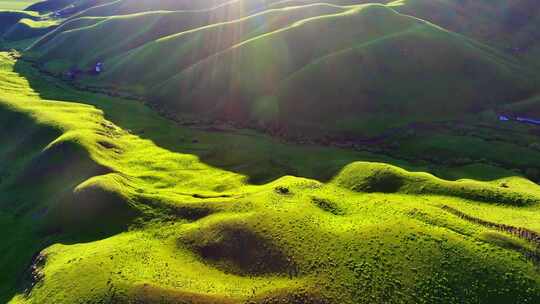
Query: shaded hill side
{"points": [[126, 33], [40, 195], [49, 5], [65, 7], [28, 28], [219, 7], [507, 25], [185, 17], [358, 60], [20, 25], [461, 84], [69, 25], [44, 156], [352, 54], [101, 8], [16, 4], [10, 18]]}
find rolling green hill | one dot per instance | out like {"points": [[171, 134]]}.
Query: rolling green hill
{"points": [[373, 232], [10, 18], [28, 28], [21, 25], [220, 8], [285, 52], [65, 7], [269, 151], [126, 33], [381, 46], [507, 25], [16, 4]]}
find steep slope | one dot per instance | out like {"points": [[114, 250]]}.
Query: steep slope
{"points": [[28, 28], [284, 53], [273, 80], [164, 19], [507, 25], [101, 8], [16, 4], [128, 32], [221, 8], [18, 25], [49, 5], [65, 7], [10, 18]]}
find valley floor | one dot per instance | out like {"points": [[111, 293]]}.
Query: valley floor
{"points": [[104, 201]]}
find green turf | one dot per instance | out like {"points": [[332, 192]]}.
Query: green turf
{"points": [[509, 26], [9, 18], [16, 25], [28, 28], [284, 51], [313, 240], [131, 31], [103, 200], [16, 4]]}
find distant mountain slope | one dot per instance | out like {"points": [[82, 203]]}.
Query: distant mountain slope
{"points": [[368, 64], [67, 6], [223, 9], [124, 34], [339, 70], [20, 25], [10, 18], [511, 26], [28, 28], [49, 5]]}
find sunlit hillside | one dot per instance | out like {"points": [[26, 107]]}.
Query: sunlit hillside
{"points": [[269, 151]]}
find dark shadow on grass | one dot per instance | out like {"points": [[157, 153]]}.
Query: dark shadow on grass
{"points": [[23, 243]]}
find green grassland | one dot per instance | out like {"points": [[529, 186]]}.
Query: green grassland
{"points": [[16, 4], [17, 25], [219, 8], [502, 24], [133, 222], [283, 51], [104, 200]]}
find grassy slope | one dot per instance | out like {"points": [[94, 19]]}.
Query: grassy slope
{"points": [[150, 21], [384, 56], [16, 4], [65, 7], [281, 58], [341, 241], [318, 52], [373, 233], [509, 26], [136, 30], [221, 8], [16, 24], [10, 18], [227, 8], [28, 28]]}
